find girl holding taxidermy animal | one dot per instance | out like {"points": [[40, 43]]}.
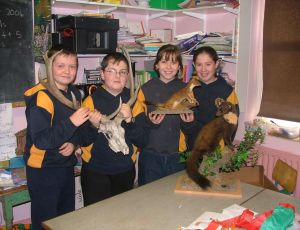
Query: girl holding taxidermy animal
{"points": [[160, 157], [206, 63]]}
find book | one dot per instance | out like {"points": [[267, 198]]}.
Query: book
{"points": [[147, 39], [186, 44], [165, 35], [151, 48], [154, 44], [136, 28], [188, 35]]}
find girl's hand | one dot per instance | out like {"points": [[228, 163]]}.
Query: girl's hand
{"points": [[126, 112], [95, 118], [66, 149], [156, 118], [80, 116], [187, 117]]}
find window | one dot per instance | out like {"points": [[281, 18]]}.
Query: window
{"points": [[281, 60]]}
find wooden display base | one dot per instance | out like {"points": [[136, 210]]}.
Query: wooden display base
{"points": [[169, 111], [221, 186]]}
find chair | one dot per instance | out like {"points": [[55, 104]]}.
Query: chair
{"points": [[285, 176]]}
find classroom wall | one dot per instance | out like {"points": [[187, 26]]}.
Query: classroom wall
{"points": [[272, 145]]}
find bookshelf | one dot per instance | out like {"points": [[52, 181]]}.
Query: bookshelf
{"points": [[218, 18], [107, 8], [175, 19]]}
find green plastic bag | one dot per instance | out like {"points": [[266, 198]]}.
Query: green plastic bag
{"points": [[281, 219]]}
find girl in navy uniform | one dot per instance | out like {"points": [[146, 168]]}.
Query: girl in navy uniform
{"points": [[167, 133], [206, 63]]}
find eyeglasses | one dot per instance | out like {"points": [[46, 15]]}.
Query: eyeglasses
{"points": [[113, 72]]}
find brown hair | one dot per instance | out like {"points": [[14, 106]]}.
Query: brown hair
{"points": [[168, 51], [208, 50], [117, 57]]}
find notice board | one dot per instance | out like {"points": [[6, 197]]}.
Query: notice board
{"points": [[16, 49]]}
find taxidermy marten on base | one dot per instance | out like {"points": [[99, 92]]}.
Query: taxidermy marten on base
{"points": [[223, 126]]}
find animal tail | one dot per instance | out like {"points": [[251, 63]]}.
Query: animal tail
{"points": [[159, 105], [193, 173]]}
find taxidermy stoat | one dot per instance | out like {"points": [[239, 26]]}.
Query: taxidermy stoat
{"points": [[223, 126], [182, 99]]}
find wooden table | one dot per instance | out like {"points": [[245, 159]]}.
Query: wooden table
{"points": [[12, 197], [156, 206], [16, 196]]}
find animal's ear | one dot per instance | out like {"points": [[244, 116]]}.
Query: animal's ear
{"points": [[196, 77], [219, 101]]}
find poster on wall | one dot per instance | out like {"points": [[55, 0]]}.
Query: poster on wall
{"points": [[42, 25], [7, 137]]}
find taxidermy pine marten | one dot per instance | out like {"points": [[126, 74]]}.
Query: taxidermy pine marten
{"points": [[182, 99], [223, 126]]}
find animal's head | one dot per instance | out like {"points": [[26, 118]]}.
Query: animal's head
{"points": [[227, 110], [224, 107], [115, 134], [111, 128], [195, 81]]}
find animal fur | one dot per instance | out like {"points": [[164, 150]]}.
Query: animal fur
{"points": [[183, 99], [222, 127]]}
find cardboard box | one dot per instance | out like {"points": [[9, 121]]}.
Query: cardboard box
{"points": [[253, 175]]}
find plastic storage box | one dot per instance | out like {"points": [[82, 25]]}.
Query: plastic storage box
{"points": [[165, 4]]}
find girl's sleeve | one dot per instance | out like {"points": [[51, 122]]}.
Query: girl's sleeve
{"points": [[234, 100], [137, 131], [140, 112], [192, 130], [139, 106]]}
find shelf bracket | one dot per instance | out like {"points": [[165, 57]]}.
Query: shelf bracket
{"points": [[158, 15], [169, 19], [107, 10], [231, 10], [195, 15]]}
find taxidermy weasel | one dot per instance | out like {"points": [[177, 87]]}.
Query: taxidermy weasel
{"points": [[223, 126], [183, 99]]}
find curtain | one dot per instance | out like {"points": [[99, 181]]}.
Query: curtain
{"points": [[281, 60]]}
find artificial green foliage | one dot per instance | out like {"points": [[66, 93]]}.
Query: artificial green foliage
{"points": [[245, 154], [210, 160], [183, 156]]}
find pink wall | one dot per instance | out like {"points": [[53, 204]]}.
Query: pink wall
{"points": [[274, 147], [269, 157], [216, 22]]}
